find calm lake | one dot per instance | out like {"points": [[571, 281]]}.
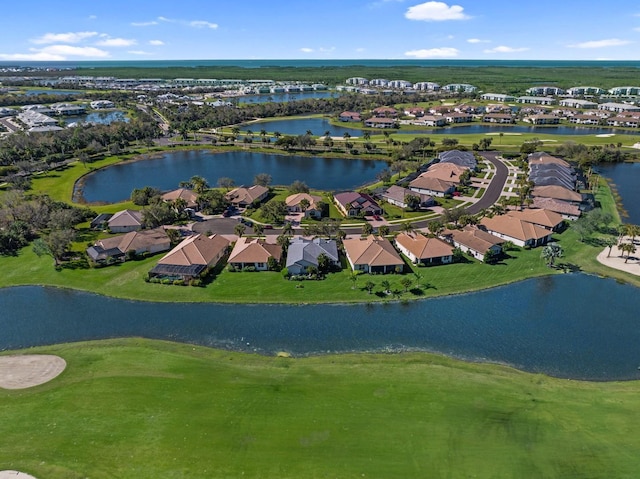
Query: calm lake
{"points": [[574, 325], [318, 126], [99, 117], [626, 177], [115, 183], [285, 97]]}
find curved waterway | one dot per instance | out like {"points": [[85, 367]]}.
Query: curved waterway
{"points": [[165, 172], [572, 326], [319, 126]]}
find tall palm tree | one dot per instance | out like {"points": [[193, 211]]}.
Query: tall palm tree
{"points": [[628, 248], [287, 229], [239, 230]]}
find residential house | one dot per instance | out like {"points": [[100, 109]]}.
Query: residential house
{"points": [[581, 119], [566, 210], [137, 242], [381, 122], [618, 107], [474, 241], [578, 103], [625, 121], [545, 90], [100, 222], [428, 185], [557, 193], [125, 221], [303, 254], [385, 112], [397, 195], [414, 111], [497, 97], [542, 119], [458, 117], [585, 91], [498, 118], [516, 230], [543, 218], [431, 120], [312, 209], [350, 116], [537, 100], [372, 254], [421, 249], [242, 196], [446, 171], [254, 252], [190, 197], [352, 203], [625, 91], [192, 257], [463, 159]]}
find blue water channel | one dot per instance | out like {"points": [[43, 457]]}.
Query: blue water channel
{"points": [[115, 183], [626, 178], [573, 326], [98, 117], [319, 126]]}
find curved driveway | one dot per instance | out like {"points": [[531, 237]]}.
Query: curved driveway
{"points": [[494, 190]]}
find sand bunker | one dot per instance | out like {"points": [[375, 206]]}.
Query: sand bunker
{"points": [[25, 371], [14, 475], [606, 135], [504, 133]]}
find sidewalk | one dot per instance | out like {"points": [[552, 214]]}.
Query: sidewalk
{"points": [[617, 261]]}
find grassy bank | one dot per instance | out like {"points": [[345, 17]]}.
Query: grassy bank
{"points": [[148, 409]]}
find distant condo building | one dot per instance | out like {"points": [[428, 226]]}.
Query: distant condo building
{"points": [[460, 88], [625, 91], [585, 90], [426, 86], [545, 91]]}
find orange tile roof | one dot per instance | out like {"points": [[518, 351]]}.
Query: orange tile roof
{"points": [[197, 249], [423, 247], [372, 250], [254, 250], [514, 227]]}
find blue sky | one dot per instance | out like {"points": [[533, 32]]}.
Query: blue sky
{"points": [[325, 29]]}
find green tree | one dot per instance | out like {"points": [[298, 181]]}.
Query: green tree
{"points": [[56, 244], [258, 229], [406, 283], [262, 179], [226, 183], [628, 248], [239, 229], [199, 183], [550, 252], [369, 285], [367, 229], [386, 286], [298, 187], [384, 230], [274, 211]]}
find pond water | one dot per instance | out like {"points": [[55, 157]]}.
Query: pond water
{"points": [[319, 126], [626, 177], [539, 325], [99, 117], [52, 92], [115, 183], [285, 97]]}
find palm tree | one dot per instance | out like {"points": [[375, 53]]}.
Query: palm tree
{"points": [[239, 230], [199, 184], [628, 248], [354, 279], [550, 252], [386, 286], [258, 229], [369, 285], [384, 230], [367, 229], [407, 227], [287, 229], [406, 283], [283, 242], [610, 242]]}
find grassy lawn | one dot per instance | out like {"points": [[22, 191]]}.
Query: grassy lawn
{"points": [[150, 409]]}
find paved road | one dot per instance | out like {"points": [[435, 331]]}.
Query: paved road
{"points": [[494, 190]]}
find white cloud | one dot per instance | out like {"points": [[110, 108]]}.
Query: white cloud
{"points": [[202, 24], [165, 19], [156, 42], [307, 50], [360, 50], [637, 29], [610, 42], [68, 50], [505, 49], [144, 24], [444, 52], [69, 37], [138, 52], [37, 56], [93, 17], [477, 40], [436, 12], [116, 42]]}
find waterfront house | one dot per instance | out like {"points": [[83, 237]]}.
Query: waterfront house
{"points": [[568, 211], [618, 107], [191, 257], [190, 197], [352, 203], [303, 254], [458, 117], [254, 252], [381, 122], [372, 254], [558, 193], [385, 112], [421, 249], [514, 229], [499, 118], [474, 241], [350, 116], [542, 119], [242, 196], [543, 218], [135, 242], [125, 221]]}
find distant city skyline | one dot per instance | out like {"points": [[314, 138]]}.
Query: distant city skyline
{"points": [[331, 29]]}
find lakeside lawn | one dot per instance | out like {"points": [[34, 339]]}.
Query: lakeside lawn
{"points": [[151, 409]]}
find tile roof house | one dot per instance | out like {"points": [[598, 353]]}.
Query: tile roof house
{"points": [[396, 195], [557, 193], [385, 111], [372, 254], [425, 250], [139, 242], [516, 230], [381, 122], [352, 203], [191, 258], [499, 118], [567, 210], [125, 221], [100, 221], [350, 116], [243, 196], [474, 241], [463, 159], [303, 253], [312, 210], [254, 252], [184, 193], [427, 185], [547, 219]]}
